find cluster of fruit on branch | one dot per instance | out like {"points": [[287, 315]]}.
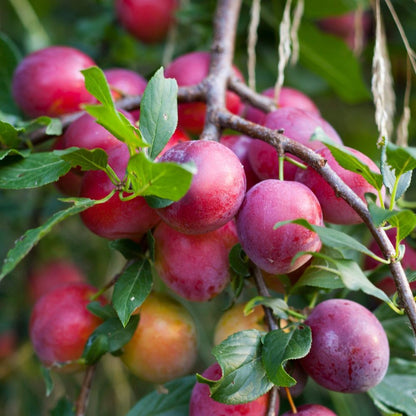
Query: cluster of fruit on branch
{"points": [[201, 216]]}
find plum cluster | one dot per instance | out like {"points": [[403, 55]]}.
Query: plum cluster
{"points": [[237, 196]]}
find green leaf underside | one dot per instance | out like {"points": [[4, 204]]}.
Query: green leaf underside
{"points": [[13, 152], [400, 159], [164, 180], [95, 159], [158, 112], [173, 403], [9, 135], [348, 160], [278, 306], [106, 113], [244, 377], [333, 61], [238, 263], [131, 289], [35, 170], [128, 248], [31, 237], [102, 311], [279, 347], [110, 337], [397, 389]]}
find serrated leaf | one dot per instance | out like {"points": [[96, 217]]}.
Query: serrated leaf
{"points": [[279, 347], [9, 135], [405, 222], [31, 237], [243, 375], [35, 170], [63, 408], [9, 58], [278, 306], [159, 112], [106, 113], [348, 160], [131, 289], [128, 248], [110, 337], [333, 61], [173, 403], [238, 261], [400, 159], [162, 179], [397, 389], [95, 159]]}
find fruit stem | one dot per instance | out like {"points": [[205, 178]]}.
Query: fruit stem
{"points": [[281, 172], [291, 402]]}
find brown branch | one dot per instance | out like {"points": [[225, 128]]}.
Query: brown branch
{"points": [[82, 402]]}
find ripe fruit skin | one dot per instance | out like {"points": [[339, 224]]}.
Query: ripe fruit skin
{"points": [[196, 267], [335, 209], [216, 191], [350, 350], [288, 97], [267, 203], [311, 410], [147, 20], [49, 82], [124, 82], [51, 275], [115, 219], [233, 320], [60, 324], [178, 136], [240, 145], [190, 69], [298, 125], [201, 403], [164, 345]]}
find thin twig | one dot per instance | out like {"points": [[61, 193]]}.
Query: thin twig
{"points": [[82, 402]]}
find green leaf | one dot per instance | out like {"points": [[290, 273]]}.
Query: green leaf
{"points": [[131, 289], [9, 58], [102, 311], [13, 152], [53, 125], [279, 347], [63, 408], [405, 222], [316, 9], [110, 337], [397, 389], [157, 203], [243, 376], [95, 159], [333, 61], [348, 160], [162, 179], [278, 306], [239, 261], [46, 375], [30, 238], [400, 159], [106, 114], [128, 248], [159, 112], [9, 135], [35, 170], [173, 403]]}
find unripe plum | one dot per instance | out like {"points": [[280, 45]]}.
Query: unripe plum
{"points": [[311, 410], [191, 69], [115, 218], [334, 208], [60, 324], [216, 191], [233, 320], [49, 82], [267, 203], [52, 274], [288, 97], [164, 345], [195, 267], [298, 125], [147, 20], [350, 351], [201, 403], [240, 145]]}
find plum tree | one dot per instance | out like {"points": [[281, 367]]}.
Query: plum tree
{"points": [[60, 325], [268, 203], [350, 351], [49, 81], [164, 345], [217, 188]]}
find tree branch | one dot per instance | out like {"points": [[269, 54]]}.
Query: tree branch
{"points": [[82, 402]]}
